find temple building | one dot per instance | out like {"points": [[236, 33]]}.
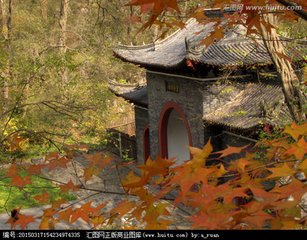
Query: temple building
{"points": [[225, 92]]}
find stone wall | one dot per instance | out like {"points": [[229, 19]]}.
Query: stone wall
{"points": [[194, 98], [141, 122], [189, 97]]}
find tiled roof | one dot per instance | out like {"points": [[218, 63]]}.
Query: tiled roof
{"points": [[138, 96], [133, 93], [254, 104], [233, 49]]}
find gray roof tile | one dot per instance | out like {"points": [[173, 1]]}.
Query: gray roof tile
{"points": [[233, 50], [256, 103]]}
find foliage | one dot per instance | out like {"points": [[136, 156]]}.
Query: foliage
{"points": [[257, 20], [262, 189], [11, 197], [40, 107], [241, 194], [247, 13]]}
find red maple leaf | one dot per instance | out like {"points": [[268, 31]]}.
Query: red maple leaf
{"points": [[98, 159], [70, 186], [20, 182], [35, 169], [156, 7], [42, 198], [58, 162], [12, 171], [20, 219]]}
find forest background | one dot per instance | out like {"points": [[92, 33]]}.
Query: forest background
{"points": [[56, 61]]}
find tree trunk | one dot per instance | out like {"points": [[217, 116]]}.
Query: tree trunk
{"points": [[129, 24], [44, 9], [62, 40], [291, 86], [6, 32]]}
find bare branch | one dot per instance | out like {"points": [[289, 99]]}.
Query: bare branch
{"points": [[301, 13]]}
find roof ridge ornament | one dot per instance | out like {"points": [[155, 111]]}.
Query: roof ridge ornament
{"points": [[192, 49]]}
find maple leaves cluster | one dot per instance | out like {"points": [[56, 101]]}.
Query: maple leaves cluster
{"points": [[261, 189], [60, 210], [248, 193], [154, 13]]}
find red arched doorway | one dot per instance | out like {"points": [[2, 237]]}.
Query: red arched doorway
{"points": [[146, 144], [174, 133]]}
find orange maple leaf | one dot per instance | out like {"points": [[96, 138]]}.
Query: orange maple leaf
{"points": [[220, 171], [215, 36], [47, 223], [134, 181], [253, 207], [52, 156], [97, 220], [290, 224], [283, 171], [83, 212], [123, 207], [97, 209], [296, 189], [214, 221], [296, 130], [51, 211], [187, 176], [239, 165], [66, 214], [257, 219], [158, 224], [89, 172], [157, 167], [303, 165], [98, 160], [298, 149], [262, 195], [154, 211], [231, 150]]}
